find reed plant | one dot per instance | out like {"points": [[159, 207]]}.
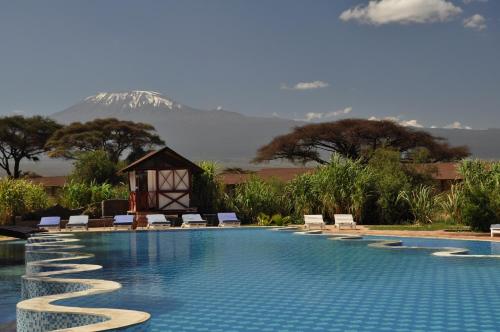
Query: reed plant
{"points": [[256, 196], [422, 203]]}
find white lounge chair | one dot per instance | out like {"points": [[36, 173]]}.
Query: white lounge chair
{"points": [[81, 222], [314, 220], [495, 229], [49, 223], [193, 220], [157, 221], [123, 221], [344, 220], [228, 219]]}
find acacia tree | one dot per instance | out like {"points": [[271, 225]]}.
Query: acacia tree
{"points": [[110, 135], [23, 138], [355, 138]]}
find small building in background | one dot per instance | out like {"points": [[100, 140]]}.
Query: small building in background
{"points": [[444, 174], [161, 181], [52, 184], [231, 179]]}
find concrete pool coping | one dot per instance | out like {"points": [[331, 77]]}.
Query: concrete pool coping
{"points": [[37, 306]]}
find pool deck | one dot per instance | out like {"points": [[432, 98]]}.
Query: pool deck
{"points": [[360, 230], [442, 234]]}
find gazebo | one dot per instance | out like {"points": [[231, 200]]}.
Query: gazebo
{"points": [[161, 182]]}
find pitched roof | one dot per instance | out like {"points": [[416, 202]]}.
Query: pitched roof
{"points": [[438, 171], [441, 171], [280, 174], [50, 181], [169, 153]]}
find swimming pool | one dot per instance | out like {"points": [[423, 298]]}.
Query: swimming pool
{"points": [[259, 280], [11, 269]]}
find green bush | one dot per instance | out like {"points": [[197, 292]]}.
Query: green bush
{"points": [[390, 178], [256, 196], [303, 197], [481, 194], [81, 194], [276, 220], [344, 186], [208, 189], [95, 167], [18, 196]]}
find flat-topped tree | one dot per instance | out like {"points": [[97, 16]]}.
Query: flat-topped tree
{"points": [[356, 138], [110, 135], [23, 138]]}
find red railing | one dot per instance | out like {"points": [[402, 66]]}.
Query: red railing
{"points": [[139, 201]]}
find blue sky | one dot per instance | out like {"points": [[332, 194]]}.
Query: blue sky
{"points": [[424, 62]]}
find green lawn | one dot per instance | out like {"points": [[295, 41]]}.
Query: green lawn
{"points": [[437, 226]]}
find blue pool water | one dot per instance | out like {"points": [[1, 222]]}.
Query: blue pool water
{"points": [[11, 269], [259, 280]]}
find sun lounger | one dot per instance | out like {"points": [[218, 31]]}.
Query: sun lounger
{"points": [[123, 221], [495, 229], [193, 220], [228, 219], [78, 222], [157, 221], [50, 223], [314, 220], [344, 220]]}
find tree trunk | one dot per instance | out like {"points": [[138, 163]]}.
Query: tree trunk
{"points": [[17, 171]]}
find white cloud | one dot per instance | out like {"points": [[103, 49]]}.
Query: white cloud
{"points": [[346, 110], [456, 125], [475, 22], [316, 116], [219, 108], [306, 85], [410, 123], [402, 11], [404, 123], [414, 123], [275, 115], [311, 116]]}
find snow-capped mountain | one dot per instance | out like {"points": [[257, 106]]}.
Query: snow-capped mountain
{"points": [[217, 134], [116, 104], [133, 100]]}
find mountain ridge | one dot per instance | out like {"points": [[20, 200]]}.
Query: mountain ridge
{"points": [[229, 137]]}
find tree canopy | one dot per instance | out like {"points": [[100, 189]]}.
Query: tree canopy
{"points": [[110, 135], [23, 138], [96, 167], [356, 138]]}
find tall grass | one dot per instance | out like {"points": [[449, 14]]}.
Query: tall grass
{"points": [[422, 202], [256, 196], [452, 203], [343, 186], [18, 196]]}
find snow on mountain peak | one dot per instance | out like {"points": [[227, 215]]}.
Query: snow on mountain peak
{"points": [[133, 99]]}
